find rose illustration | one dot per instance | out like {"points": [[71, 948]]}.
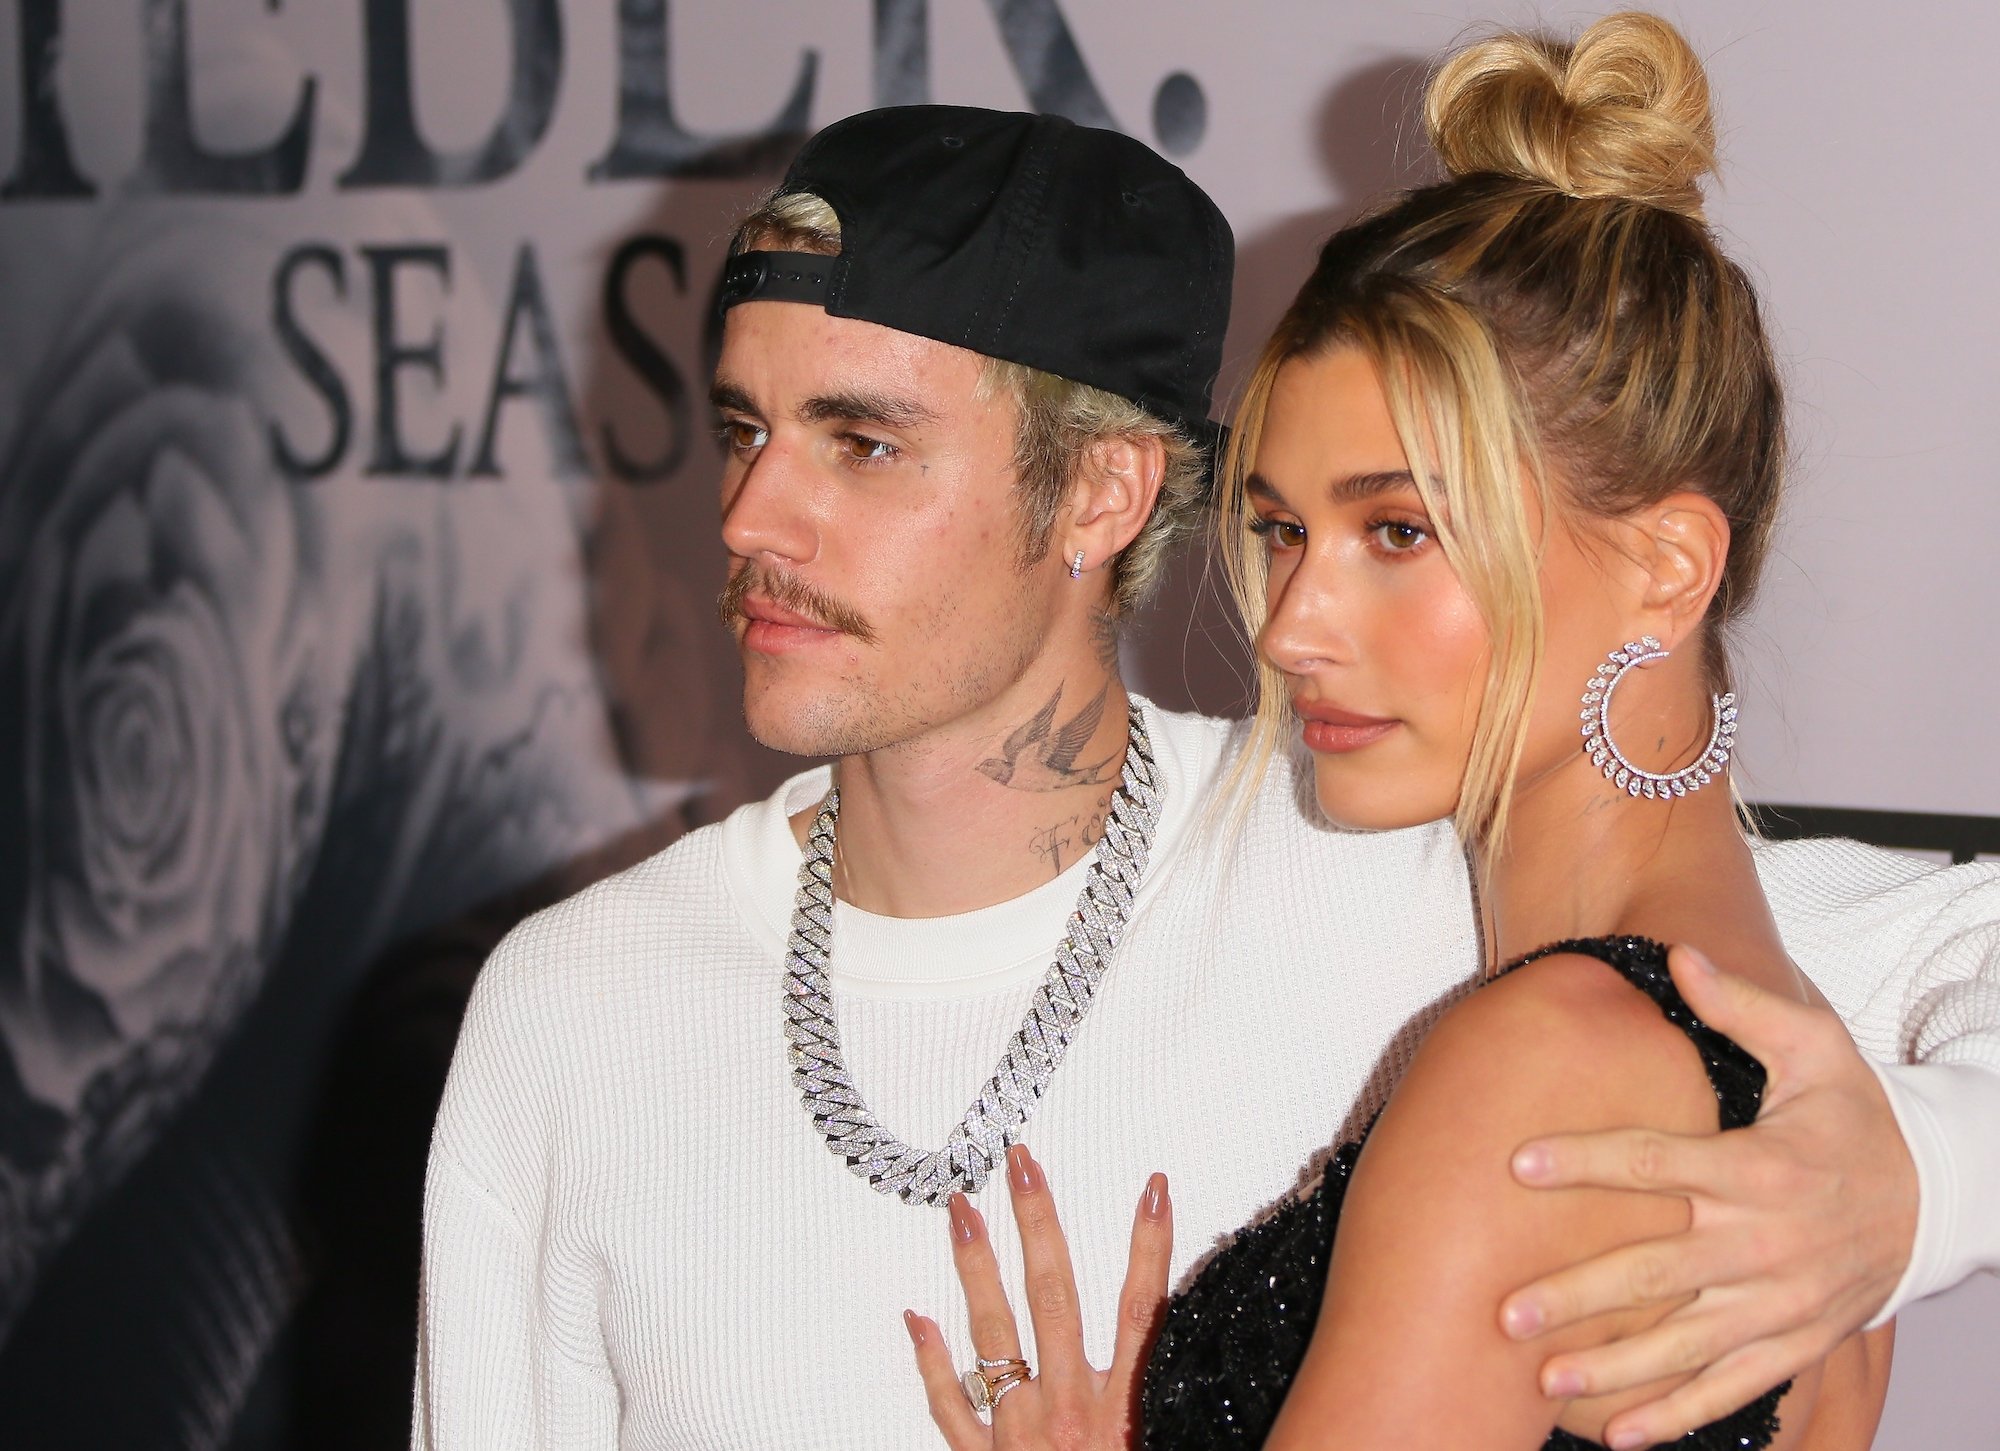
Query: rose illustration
{"points": [[163, 738], [225, 693], [262, 739], [157, 782]]}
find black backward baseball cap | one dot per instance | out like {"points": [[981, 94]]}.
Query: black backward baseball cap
{"points": [[1074, 250]]}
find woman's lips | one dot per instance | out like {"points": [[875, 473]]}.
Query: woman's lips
{"points": [[1332, 730]]}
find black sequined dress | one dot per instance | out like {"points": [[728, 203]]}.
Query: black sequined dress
{"points": [[1234, 1337]]}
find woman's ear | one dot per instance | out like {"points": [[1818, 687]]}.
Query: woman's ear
{"points": [[1684, 545], [1117, 483]]}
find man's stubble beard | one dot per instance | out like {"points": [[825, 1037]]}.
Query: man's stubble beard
{"points": [[856, 715]]}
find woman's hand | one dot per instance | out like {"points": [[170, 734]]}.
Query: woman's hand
{"points": [[1066, 1404]]}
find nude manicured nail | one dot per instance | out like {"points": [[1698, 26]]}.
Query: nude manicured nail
{"points": [[1562, 1385], [1521, 1319], [1154, 1205], [915, 1326], [1627, 1440], [1532, 1163], [964, 1223], [1022, 1169]]}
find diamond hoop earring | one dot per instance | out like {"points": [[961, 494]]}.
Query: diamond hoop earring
{"points": [[1076, 566], [1617, 768]]}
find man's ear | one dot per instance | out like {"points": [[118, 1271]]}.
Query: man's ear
{"points": [[1117, 483], [1682, 546]]}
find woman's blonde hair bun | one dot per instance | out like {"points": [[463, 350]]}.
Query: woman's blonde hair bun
{"points": [[1622, 112]]}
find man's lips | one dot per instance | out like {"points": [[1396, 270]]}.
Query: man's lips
{"points": [[755, 609], [771, 629], [1328, 728]]}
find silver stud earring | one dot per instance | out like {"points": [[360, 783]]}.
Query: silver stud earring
{"points": [[1076, 566], [1618, 769]]}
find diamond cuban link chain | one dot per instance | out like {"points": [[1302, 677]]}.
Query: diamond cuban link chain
{"points": [[998, 1115]]}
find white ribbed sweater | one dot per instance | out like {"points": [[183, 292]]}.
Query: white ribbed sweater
{"points": [[635, 1238]]}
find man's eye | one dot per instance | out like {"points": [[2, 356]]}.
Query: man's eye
{"points": [[863, 449], [743, 437]]}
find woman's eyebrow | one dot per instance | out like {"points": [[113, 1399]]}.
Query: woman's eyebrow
{"points": [[1347, 489], [1357, 488], [1259, 487]]}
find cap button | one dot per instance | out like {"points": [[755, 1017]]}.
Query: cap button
{"points": [[745, 277]]}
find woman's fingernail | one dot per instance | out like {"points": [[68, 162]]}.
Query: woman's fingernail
{"points": [[1532, 1164], [1562, 1385], [1706, 968], [1521, 1319], [1022, 1169], [1155, 1202], [915, 1326], [1626, 1440], [964, 1223]]}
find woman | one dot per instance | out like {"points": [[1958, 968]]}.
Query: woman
{"points": [[1513, 453]]}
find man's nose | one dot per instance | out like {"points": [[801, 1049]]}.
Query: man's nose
{"points": [[766, 510]]}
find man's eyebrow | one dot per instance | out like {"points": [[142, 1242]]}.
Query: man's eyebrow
{"points": [[727, 397], [886, 409]]}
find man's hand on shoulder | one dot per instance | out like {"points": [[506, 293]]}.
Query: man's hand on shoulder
{"points": [[1802, 1223]]}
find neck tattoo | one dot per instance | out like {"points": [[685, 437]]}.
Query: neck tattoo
{"points": [[1000, 1113]]}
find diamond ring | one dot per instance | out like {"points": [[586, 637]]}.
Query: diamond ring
{"points": [[987, 1382]]}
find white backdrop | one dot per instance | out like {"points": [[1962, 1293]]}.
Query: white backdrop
{"points": [[417, 254]]}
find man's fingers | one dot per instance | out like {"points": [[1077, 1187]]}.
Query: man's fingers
{"points": [[1775, 1030], [994, 1333], [1050, 1278], [1707, 1333], [1680, 1344], [1643, 1159], [1731, 1383], [1649, 1273], [1144, 1296], [951, 1412]]}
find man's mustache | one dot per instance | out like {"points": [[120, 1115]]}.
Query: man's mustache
{"points": [[792, 593]]}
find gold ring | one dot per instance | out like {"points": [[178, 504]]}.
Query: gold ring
{"points": [[987, 1382]]}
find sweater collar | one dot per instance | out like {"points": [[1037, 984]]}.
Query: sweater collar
{"points": [[991, 949]]}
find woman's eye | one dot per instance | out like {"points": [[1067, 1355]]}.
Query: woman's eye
{"points": [[1398, 536], [743, 437], [863, 449], [1278, 533]]}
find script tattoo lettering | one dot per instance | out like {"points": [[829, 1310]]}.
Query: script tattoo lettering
{"points": [[1041, 756], [1104, 638], [1060, 845]]}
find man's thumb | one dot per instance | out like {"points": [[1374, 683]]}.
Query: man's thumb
{"points": [[1767, 1026]]}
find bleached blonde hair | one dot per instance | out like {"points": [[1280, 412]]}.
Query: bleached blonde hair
{"points": [[1058, 419], [1558, 333]]}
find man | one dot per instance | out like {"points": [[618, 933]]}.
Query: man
{"points": [[964, 384]]}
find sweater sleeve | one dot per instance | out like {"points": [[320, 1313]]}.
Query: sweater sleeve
{"points": [[509, 1352], [489, 1377], [1909, 954]]}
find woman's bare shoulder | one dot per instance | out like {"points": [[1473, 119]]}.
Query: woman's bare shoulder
{"points": [[1567, 1034], [1435, 1232]]}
